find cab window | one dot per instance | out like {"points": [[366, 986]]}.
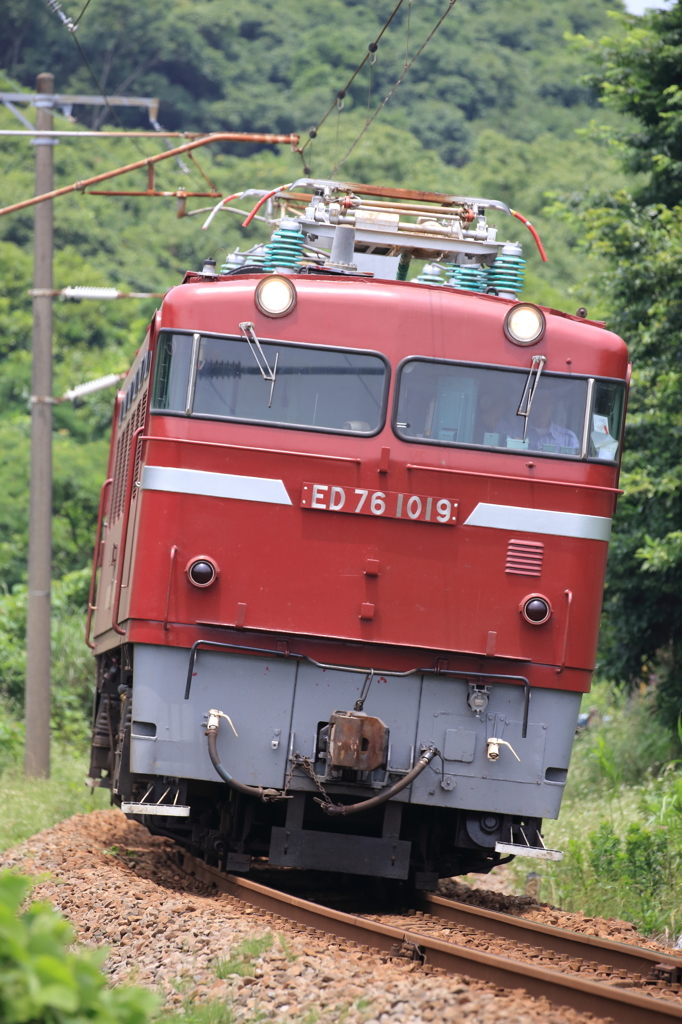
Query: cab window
{"points": [[339, 390], [460, 404]]}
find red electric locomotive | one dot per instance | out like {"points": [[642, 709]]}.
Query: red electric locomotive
{"points": [[351, 550]]}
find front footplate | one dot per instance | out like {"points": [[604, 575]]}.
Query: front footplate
{"points": [[524, 850]]}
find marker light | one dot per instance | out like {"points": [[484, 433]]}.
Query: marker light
{"points": [[535, 609], [202, 572], [275, 295], [524, 324]]}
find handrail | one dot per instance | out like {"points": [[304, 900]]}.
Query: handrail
{"points": [[95, 561], [124, 531], [515, 479], [194, 649], [173, 553], [569, 602], [464, 674], [246, 448]]}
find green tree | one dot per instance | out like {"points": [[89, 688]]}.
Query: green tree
{"points": [[276, 65], [640, 235]]}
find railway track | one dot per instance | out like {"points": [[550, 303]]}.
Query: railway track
{"points": [[612, 979]]}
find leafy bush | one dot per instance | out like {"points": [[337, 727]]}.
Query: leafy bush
{"points": [[624, 746], [620, 825], [634, 876], [72, 665], [11, 739], [42, 982]]}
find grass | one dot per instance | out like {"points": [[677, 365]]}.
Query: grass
{"points": [[31, 805], [242, 960], [621, 820], [211, 1011]]}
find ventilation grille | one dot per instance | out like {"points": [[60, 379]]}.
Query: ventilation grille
{"points": [[139, 420], [122, 459], [524, 557]]}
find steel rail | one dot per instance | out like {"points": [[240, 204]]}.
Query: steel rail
{"points": [[561, 989], [619, 955]]}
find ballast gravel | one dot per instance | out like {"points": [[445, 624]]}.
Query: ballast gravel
{"points": [[120, 887]]}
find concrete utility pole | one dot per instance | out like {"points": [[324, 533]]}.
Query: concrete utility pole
{"points": [[38, 650]]}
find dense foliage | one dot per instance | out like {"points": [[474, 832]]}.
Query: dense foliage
{"points": [[621, 819], [639, 233], [42, 981], [270, 65]]}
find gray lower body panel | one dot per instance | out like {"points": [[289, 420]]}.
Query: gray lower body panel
{"points": [[278, 706]]}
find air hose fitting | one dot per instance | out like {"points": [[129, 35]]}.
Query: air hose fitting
{"points": [[334, 810], [266, 795]]}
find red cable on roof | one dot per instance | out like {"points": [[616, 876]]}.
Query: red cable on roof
{"points": [[519, 216], [264, 199]]}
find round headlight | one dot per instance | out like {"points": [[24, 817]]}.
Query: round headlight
{"points": [[275, 295], [524, 324], [202, 572], [535, 609]]}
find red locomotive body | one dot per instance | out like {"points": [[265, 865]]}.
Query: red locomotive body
{"points": [[379, 525]]}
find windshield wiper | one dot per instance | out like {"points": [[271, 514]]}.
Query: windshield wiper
{"points": [[531, 386], [259, 355]]}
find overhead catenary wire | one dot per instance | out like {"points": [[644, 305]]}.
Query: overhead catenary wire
{"points": [[71, 27], [371, 49], [408, 65], [84, 9]]}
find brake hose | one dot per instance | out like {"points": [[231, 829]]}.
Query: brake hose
{"points": [[374, 801], [275, 794], [212, 733]]}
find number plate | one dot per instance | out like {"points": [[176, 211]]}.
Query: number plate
{"points": [[419, 508]]}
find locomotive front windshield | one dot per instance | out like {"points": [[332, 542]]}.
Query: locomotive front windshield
{"points": [[313, 388], [454, 404]]}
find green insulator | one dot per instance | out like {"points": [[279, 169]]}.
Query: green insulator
{"points": [[403, 266], [470, 277], [506, 274], [431, 274], [286, 247]]}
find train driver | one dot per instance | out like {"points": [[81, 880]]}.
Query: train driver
{"points": [[544, 432]]}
